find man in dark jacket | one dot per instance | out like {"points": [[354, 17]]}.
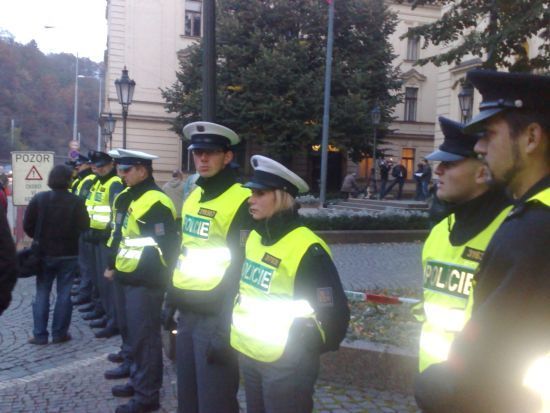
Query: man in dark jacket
{"points": [[399, 172], [8, 264], [64, 217]]}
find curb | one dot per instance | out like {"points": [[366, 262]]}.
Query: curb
{"points": [[368, 364], [373, 236]]}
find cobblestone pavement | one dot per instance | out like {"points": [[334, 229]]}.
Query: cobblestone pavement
{"points": [[68, 377]]}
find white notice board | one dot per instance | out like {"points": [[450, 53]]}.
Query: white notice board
{"points": [[30, 174]]}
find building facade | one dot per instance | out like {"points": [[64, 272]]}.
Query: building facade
{"points": [[146, 37]]}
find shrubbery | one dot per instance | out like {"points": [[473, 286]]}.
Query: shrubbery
{"points": [[328, 219]]}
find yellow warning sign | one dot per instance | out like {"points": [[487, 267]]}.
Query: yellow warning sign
{"points": [[33, 175]]}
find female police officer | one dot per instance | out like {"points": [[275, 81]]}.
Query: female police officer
{"points": [[291, 306]]}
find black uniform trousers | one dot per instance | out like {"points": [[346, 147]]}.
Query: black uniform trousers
{"points": [[143, 309], [283, 386], [203, 387], [85, 254], [104, 285], [122, 323]]}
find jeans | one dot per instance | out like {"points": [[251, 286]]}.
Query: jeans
{"points": [[61, 269]]}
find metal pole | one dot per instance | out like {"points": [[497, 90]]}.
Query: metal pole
{"points": [[209, 61], [124, 116], [13, 134], [99, 113], [326, 111], [75, 113], [374, 187]]}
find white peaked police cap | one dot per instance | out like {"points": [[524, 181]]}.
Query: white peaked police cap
{"points": [[270, 174]]}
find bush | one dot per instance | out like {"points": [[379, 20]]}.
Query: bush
{"points": [[332, 220]]}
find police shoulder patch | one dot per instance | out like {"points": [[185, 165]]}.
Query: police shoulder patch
{"points": [[271, 260], [325, 297], [205, 212], [472, 254]]}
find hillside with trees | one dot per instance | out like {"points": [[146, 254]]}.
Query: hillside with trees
{"points": [[270, 73], [37, 93]]}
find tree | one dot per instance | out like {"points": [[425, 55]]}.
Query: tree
{"points": [[497, 29], [270, 74]]}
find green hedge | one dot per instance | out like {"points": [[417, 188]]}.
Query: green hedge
{"points": [[327, 220]]}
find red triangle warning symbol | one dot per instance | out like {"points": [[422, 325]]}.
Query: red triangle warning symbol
{"points": [[33, 175]]}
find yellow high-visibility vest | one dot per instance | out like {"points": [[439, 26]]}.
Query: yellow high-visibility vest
{"points": [[265, 307], [133, 243], [205, 255], [99, 207], [448, 281]]}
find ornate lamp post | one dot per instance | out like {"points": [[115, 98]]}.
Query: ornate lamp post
{"points": [[125, 93], [466, 101], [375, 118], [107, 124]]}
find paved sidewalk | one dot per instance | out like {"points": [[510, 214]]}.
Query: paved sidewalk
{"points": [[68, 377]]}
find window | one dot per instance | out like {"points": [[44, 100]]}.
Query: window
{"points": [[193, 18], [411, 94], [413, 44], [407, 160]]}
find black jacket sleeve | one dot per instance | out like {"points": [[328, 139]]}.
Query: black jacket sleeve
{"points": [[317, 280], [8, 265], [31, 216]]}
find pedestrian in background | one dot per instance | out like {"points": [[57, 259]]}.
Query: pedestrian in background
{"points": [[190, 184], [426, 179], [291, 305], [399, 173], [174, 188], [500, 361], [8, 263], [64, 218], [206, 278], [385, 167], [349, 186], [418, 174]]}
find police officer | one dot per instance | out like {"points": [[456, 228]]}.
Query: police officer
{"points": [[80, 186], [456, 244], [499, 363], [291, 306], [147, 246], [103, 193], [205, 281]]}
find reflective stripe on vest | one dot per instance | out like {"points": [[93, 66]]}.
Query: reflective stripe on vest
{"points": [[265, 308], [132, 243], [448, 281], [100, 207], [205, 255]]}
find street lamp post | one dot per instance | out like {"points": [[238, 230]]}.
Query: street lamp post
{"points": [[75, 109], [99, 101], [466, 101], [375, 118], [125, 93], [107, 124]]}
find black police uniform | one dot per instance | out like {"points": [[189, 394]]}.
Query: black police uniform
{"points": [[144, 292]]}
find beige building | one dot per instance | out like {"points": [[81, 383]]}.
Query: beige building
{"points": [[145, 37]]}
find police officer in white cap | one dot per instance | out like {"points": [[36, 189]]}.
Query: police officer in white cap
{"points": [[144, 255], [291, 306], [205, 281]]}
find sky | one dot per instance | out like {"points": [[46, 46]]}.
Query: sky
{"points": [[70, 26]]}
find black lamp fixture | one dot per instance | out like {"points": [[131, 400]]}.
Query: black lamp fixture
{"points": [[466, 101], [125, 93], [108, 124]]}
